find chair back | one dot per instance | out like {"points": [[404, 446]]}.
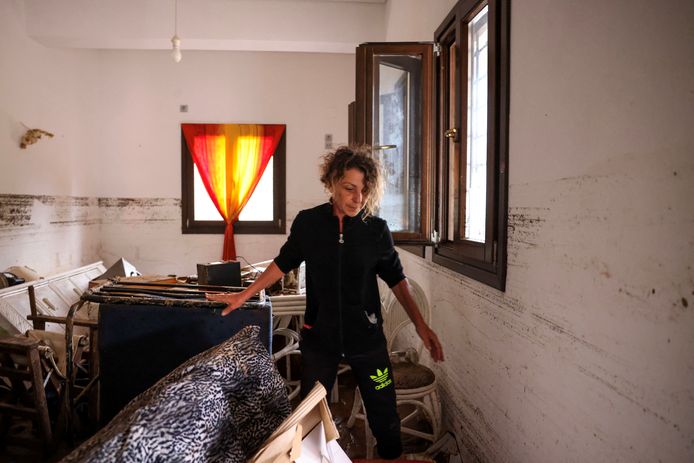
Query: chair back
{"points": [[384, 293], [395, 319]]}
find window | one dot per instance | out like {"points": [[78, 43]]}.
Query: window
{"points": [[472, 140], [437, 117], [263, 214], [393, 113]]}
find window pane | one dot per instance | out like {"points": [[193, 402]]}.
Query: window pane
{"points": [[453, 159], [204, 207], [398, 117], [476, 184], [259, 207]]}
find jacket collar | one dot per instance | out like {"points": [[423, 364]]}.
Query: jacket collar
{"points": [[327, 210]]}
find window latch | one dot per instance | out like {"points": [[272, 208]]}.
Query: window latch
{"points": [[451, 133], [435, 238]]}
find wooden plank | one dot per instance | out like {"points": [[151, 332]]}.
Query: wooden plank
{"points": [[15, 373], [18, 410], [40, 396], [18, 343]]}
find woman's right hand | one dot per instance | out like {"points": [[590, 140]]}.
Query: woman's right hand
{"points": [[232, 300]]}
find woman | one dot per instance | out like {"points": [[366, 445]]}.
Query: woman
{"points": [[345, 248]]}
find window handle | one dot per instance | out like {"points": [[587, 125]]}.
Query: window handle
{"points": [[451, 133]]}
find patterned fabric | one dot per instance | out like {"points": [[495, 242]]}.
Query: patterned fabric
{"points": [[218, 406]]}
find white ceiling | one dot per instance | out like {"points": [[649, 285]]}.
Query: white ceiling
{"points": [[333, 26]]}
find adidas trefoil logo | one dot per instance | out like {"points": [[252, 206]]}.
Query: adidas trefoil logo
{"points": [[381, 378]]}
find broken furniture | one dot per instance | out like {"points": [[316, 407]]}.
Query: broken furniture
{"points": [[23, 394], [44, 305], [308, 435], [53, 297], [415, 384], [219, 405], [148, 329], [45, 381]]}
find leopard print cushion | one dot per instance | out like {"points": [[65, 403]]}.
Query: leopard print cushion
{"points": [[218, 406]]}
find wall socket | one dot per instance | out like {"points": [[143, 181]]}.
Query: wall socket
{"points": [[328, 141], [183, 108]]}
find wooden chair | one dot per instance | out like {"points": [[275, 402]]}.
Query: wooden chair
{"points": [[289, 350], [415, 384], [72, 350], [24, 395]]}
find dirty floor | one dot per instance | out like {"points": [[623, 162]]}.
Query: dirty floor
{"points": [[351, 440]]}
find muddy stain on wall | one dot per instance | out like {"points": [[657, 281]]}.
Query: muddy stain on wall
{"points": [[56, 232]]}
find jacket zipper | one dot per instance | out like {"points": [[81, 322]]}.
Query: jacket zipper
{"points": [[340, 242]]}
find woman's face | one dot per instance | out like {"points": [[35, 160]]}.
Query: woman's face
{"points": [[348, 193]]}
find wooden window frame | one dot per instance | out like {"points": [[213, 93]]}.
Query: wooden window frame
{"points": [[485, 262], [274, 227], [362, 121]]}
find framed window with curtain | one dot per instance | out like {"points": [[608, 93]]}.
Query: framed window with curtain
{"points": [[245, 158]]}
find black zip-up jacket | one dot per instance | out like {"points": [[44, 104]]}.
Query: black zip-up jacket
{"points": [[343, 308]]}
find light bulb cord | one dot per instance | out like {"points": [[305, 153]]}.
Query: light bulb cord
{"points": [[175, 17], [175, 41]]}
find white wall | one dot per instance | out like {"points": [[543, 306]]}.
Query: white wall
{"points": [[142, 92], [588, 355], [50, 225], [250, 25], [49, 89], [415, 20], [116, 119]]}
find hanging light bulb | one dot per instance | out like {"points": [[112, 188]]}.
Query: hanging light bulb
{"points": [[176, 52], [175, 41]]}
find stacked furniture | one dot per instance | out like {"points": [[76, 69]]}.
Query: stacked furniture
{"points": [[36, 366], [148, 329], [53, 297]]}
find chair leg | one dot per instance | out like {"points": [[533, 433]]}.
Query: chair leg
{"points": [[369, 440], [335, 394], [356, 406], [435, 407], [39, 394]]}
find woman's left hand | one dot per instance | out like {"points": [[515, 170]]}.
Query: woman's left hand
{"points": [[431, 342], [232, 300]]}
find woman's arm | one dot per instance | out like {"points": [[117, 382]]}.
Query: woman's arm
{"points": [[431, 341], [236, 300]]}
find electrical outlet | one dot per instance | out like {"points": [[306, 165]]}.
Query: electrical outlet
{"points": [[183, 108], [328, 141]]}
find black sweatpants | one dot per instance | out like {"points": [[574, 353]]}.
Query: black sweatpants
{"points": [[373, 373]]}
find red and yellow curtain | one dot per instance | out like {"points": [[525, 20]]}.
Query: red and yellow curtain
{"points": [[231, 158]]}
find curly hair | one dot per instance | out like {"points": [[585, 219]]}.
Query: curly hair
{"points": [[335, 163]]}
